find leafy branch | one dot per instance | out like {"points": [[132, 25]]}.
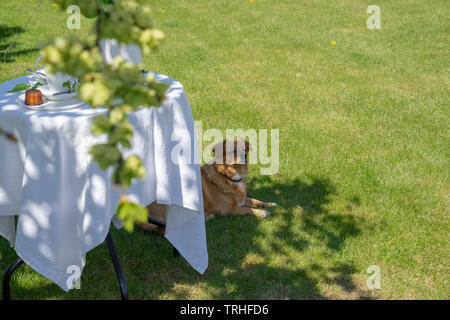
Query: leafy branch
{"points": [[119, 87], [71, 86]]}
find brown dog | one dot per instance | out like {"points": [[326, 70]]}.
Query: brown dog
{"points": [[224, 186]]}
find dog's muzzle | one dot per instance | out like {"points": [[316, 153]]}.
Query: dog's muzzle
{"points": [[237, 178]]}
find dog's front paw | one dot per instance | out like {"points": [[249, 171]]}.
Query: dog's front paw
{"points": [[263, 214], [271, 204]]}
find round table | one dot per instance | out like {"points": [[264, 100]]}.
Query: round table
{"points": [[65, 203]]}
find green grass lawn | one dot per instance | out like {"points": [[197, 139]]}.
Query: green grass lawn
{"points": [[364, 148]]}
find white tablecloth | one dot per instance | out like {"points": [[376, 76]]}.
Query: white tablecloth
{"points": [[65, 203]]}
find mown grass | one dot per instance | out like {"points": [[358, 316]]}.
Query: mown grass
{"points": [[364, 148]]}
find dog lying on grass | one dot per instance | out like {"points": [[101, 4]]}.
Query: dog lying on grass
{"points": [[224, 186]]}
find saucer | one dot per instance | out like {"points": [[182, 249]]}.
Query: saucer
{"points": [[51, 105], [48, 94]]}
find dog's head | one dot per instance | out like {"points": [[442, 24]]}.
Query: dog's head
{"points": [[231, 158]]}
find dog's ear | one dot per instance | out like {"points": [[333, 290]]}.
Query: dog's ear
{"points": [[218, 151], [241, 149], [240, 143], [218, 147]]}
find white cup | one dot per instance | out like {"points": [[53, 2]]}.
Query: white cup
{"points": [[55, 81]]}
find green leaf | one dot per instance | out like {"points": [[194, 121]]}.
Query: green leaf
{"points": [[20, 87], [116, 115], [37, 84], [130, 213], [122, 133], [69, 85], [131, 168], [105, 155], [101, 125], [66, 84]]}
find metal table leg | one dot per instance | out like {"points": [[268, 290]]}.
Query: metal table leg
{"points": [[162, 224], [117, 267], [114, 257], [7, 278]]}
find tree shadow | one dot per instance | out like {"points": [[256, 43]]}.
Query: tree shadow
{"points": [[7, 32], [13, 53], [244, 254], [306, 204], [307, 200], [243, 251]]}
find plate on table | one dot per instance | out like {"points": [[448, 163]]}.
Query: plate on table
{"points": [[48, 94], [48, 105]]}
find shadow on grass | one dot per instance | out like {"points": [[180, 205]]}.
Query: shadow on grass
{"points": [[13, 53], [8, 31], [6, 34], [243, 254]]}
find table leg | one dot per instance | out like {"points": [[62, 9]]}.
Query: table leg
{"points": [[7, 278], [162, 224], [117, 267], [114, 257]]}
